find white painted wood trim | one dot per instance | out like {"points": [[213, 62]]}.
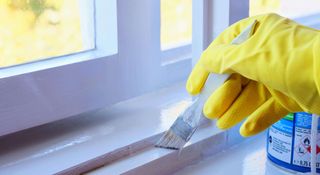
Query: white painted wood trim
{"points": [[159, 161], [198, 26], [174, 55], [246, 158]]}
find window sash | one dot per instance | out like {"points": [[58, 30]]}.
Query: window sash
{"points": [[53, 89]]}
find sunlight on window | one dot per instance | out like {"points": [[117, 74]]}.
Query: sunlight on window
{"points": [[37, 29], [287, 8], [263, 6], [176, 23]]}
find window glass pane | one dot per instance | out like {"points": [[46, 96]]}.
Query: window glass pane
{"points": [[287, 8], [37, 29], [176, 23]]}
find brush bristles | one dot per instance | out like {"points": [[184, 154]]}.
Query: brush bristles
{"points": [[171, 141]]}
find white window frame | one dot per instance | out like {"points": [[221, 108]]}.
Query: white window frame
{"points": [[207, 24], [92, 86], [49, 90]]}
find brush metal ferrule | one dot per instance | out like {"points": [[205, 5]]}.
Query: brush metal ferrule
{"points": [[182, 129]]}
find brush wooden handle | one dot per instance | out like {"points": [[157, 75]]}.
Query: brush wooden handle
{"points": [[216, 80], [213, 82]]}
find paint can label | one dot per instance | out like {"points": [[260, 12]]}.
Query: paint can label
{"points": [[289, 142]]}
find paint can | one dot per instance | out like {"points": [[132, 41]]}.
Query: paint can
{"points": [[289, 143]]}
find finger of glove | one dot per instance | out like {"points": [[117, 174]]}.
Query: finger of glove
{"points": [[266, 115], [252, 96], [197, 79], [287, 102], [221, 99], [217, 59]]}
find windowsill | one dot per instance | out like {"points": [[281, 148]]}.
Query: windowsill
{"points": [[102, 137], [205, 142], [247, 158], [78, 139]]}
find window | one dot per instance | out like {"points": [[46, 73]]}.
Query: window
{"points": [[288, 8], [306, 13], [175, 30], [176, 23], [126, 61], [263, 6], [38, 29], [51, 89]]}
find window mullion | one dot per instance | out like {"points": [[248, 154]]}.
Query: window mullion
{"points": [[139, 55]]}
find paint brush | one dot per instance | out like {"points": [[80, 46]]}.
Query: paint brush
{"points": [[190, 119]]}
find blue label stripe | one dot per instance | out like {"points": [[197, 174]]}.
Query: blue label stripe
{"points": [[284, 126]]}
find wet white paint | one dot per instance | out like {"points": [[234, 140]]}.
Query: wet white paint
{"points": [[206, 141], [247, 158]]}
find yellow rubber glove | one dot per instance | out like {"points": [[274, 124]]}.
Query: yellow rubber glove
{"points": [[274, 72]]}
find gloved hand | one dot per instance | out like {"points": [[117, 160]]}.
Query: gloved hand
{"points": [[274, 72]]}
